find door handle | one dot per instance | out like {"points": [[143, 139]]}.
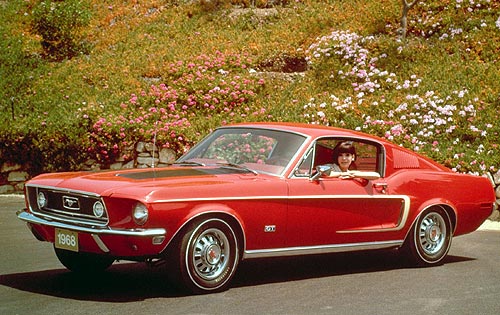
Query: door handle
{"points": [[380, 187]]}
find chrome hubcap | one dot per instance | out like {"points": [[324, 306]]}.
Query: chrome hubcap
{"points": [[210, 254], [213, 254], [432, 233]]}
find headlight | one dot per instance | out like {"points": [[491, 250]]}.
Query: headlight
{"points": [[41, 200], [98, 209], [140, 213]]}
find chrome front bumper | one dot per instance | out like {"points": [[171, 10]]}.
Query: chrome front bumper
{"points": [[31, 218]]}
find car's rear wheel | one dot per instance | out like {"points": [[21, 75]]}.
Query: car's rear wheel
{"points": [[430, 238], [206, 258], [83, 262]]}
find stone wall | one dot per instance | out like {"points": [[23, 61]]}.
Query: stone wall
{"points": [[144, 154], [12, 177], [495, 178]]}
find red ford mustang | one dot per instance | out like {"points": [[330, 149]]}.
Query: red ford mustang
{"points": [[252, 191]]}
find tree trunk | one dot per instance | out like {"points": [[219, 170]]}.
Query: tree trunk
{"points": [[404, 17]]}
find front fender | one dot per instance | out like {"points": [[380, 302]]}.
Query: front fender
{"points": [[218, 210]]}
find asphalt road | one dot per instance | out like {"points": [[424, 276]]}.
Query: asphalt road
{"points": [[33, 282]]}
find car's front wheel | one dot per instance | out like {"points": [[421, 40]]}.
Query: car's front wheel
{"points": [[430, 238], [206, 258], [83, 262]]}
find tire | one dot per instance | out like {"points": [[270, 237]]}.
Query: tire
{"points": [[430, 238], [84, 263], [206, 258]]}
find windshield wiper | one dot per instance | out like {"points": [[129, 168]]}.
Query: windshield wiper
{"points": [[237, 166]]}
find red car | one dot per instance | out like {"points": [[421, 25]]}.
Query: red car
{"points": [[257, 190]]}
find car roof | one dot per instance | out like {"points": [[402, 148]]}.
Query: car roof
{"points": [[311, 130], [318, 131]]}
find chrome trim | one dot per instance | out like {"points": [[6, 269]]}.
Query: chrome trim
{"points": [[68, 215], [100, 243], [324, 249], [65, 190], [286, 168], [212, 212], [69, 201], [284, 197], [356, 138], [77, 218], [31, 218], [402, 219]]}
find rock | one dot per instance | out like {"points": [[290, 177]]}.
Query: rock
{"points": [[495, 216], [129, 165], [147, 161], [167, 156], [19, 186], [17, 176], [150, 147], [498, 192], [496, 178], [6, 189], [9, 167], [90, 162], [141, 147], [116, 166]]}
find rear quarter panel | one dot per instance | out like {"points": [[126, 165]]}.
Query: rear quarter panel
{"points": [[470, 197]]}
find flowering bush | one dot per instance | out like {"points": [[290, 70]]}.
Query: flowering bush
{"points": [[437, 93], [201, 94], [437, 126]]}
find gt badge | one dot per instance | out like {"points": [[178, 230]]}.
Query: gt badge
{"points": [[269, 228]]}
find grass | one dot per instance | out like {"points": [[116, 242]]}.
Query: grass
{"points": [[452, 46]]}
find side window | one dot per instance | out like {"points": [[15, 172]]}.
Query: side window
{"points": [[305, 167], [366, 155]]}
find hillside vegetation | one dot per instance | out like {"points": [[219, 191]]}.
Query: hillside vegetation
{"points": [[117, 72]]}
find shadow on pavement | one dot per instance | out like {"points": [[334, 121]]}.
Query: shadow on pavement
{"points": [[125, 282]]}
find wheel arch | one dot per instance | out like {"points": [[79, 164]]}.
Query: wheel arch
{"points": [[214, 213], [446, 206]]}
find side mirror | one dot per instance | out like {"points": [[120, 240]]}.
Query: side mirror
{"points": [[320, 171]]}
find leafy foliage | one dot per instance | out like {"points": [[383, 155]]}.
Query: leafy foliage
{"points": [[60, 24], [177, 69]]}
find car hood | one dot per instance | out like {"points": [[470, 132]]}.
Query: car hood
{"points": [[149, 184]]}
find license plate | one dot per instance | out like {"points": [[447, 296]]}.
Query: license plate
{"points": [[66, 240]]}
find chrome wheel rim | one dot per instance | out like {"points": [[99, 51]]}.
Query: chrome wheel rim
{"points": [[210, 254], [432, 233]]}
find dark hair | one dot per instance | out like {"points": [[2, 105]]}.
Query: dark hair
{"points": [[343, 147]]}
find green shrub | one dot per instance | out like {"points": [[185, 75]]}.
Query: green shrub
{"points": [[60, 24], [360, 77]]}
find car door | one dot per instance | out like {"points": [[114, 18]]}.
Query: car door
{"points": [[331, 210]]}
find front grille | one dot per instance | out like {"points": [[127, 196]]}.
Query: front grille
{"points": [[66, 205]]}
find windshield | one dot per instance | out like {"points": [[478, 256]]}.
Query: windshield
{"points": [[260, 150]]}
